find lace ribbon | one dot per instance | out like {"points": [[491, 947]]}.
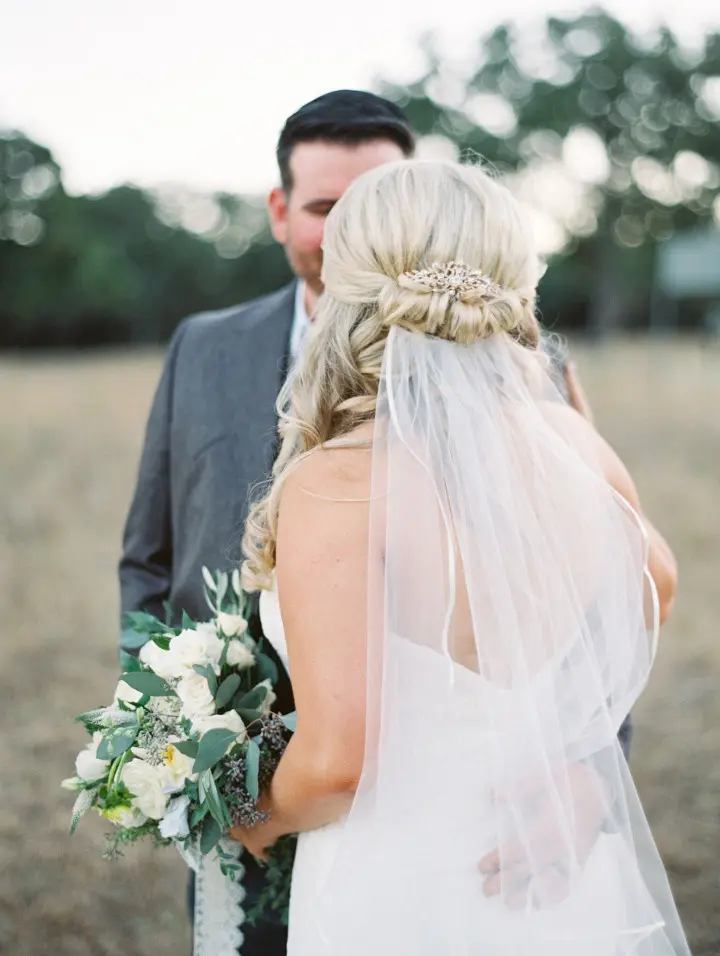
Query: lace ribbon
{"points": [[219, 914]]}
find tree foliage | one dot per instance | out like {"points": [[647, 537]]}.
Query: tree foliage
{"points": [[613, 138], [644, 111], [125, 266]]}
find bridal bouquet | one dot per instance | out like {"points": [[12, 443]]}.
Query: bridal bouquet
{"points": [[189, 741]]}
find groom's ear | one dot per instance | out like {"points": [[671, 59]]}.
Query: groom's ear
{"points": [[278, 211]]}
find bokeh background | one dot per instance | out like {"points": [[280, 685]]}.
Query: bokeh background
{"points": [[136, 146]]}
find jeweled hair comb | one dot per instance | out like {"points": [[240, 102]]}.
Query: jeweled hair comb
{"points": [[454, 279]]}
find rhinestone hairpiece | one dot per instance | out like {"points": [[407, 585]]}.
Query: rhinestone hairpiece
{"points": [[454, 278]]}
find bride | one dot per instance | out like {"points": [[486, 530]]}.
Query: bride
{"points": [[457, 571]]}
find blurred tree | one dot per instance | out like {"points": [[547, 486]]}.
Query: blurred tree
{"points": [[125, 266], [614, 138]]}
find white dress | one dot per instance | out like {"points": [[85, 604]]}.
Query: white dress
{"points": [[315, 850], [421, 913]]}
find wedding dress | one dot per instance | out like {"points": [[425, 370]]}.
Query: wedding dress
{"points": [[512, 625], [407, 902]]}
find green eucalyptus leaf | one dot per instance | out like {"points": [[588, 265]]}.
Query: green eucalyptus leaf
{"points": [[227, 690], [130, 662], [249, 716], [198, 814], [211, 834], [206, 671], [213, 746], [266, 668], [203, 783], [252, 769], [142, 621], [188, 747], [208, 579], [254, 699], [290, 721], [217, 805], [187, 622], [116, 742], [222, 586], [133, 640], [148, 683]]}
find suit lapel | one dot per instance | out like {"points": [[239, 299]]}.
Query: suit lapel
{"points": [[262, 338], [265, 342]]}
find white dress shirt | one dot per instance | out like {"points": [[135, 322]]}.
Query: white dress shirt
{"points": [[301, 321]]}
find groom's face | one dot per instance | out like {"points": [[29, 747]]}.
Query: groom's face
{"points": [[321, 172]]}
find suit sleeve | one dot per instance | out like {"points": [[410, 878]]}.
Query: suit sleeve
{"points": [[558, 355], [145, 569]]}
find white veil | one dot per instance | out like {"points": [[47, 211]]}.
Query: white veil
{"points": [[512, 625]]}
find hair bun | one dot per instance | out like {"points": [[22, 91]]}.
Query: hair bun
{"points": [[454, 302]]}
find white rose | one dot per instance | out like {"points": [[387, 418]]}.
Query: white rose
{"points": [[164, 663], [239, 655], [175, 769], [200, 645], [145, 783], [195, 695], [270, 696], [88, 765], [126, 693], [231, 624], [175, 821], [228, 721], [124, 816]]}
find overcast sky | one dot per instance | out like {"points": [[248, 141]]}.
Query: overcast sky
{"points": [[153, 91]]}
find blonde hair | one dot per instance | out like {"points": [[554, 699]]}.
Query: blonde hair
{"points": [[394, 219]]}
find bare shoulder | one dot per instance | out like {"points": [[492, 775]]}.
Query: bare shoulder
{"points": [[325, 506], [334, 474]]}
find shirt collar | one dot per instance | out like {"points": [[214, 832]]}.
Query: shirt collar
{"points": [[301, 320]]}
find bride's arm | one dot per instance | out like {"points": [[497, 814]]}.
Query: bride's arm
{"points": [[661, 560], [322, 570]]}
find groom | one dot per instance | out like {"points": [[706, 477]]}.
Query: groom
{"points": [[211, 432]]}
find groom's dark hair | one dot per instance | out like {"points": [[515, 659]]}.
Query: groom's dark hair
{"points": [[347, 117]]}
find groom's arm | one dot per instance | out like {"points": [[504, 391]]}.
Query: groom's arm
{"points": [[145, 569]]}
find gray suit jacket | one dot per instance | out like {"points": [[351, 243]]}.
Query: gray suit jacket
{"points": [[209, 440]]}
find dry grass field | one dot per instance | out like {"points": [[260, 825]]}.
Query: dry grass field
{"points": [[70, 431]]}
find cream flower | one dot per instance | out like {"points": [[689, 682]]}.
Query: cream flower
{"points": [[88, 765], [239, 655], [175, 822], [164, 663], [231, 625], [126, 693], [145, 783], [175, 769], [270, 696], [124, 816], [195, 695], [200, 645], [228, 721]]}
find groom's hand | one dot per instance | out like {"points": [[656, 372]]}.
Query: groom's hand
{"points": [[545, 880]]}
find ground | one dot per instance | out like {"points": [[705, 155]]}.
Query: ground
{"points": [[70, 432]]}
